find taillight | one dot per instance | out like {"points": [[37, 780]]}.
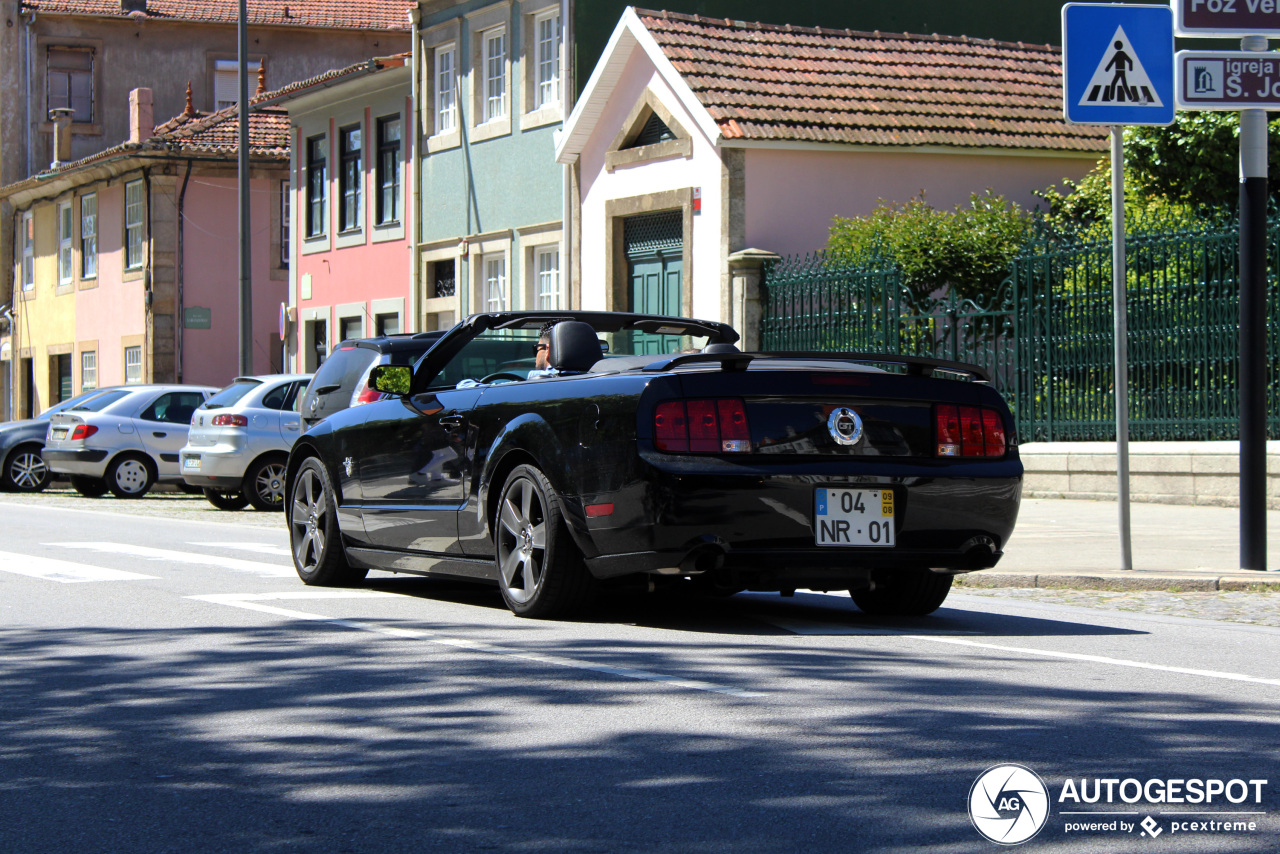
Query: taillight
{"points": [[83, 431], [968, 431], [229, 421], [702, 427], [367, 394]]}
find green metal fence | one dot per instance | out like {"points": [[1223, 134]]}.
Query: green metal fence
{"points": [[1046, 337]]}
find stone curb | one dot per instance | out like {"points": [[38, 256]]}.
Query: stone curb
{"points": [[1170, 583]]}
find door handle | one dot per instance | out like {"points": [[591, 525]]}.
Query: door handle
{"points": [[291, 425], [452, 421], [158, 434]]}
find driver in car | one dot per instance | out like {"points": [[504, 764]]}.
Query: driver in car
{"points": [[542, 354]]}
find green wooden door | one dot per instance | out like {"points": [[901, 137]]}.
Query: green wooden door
{"points": [[655, 266]]}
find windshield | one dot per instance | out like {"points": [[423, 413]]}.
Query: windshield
{"points": [[231, 394], [71, 402], [101, 402]]}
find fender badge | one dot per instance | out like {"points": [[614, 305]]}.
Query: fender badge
{"points": [[845, 426], [349, 463]]}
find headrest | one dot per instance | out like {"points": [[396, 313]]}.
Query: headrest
{"points": [[574, 346], [720, 347]]}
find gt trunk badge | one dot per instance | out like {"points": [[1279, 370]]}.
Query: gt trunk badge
{"points": [[845, 426]]}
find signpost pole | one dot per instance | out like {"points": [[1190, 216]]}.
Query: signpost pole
{"points": [[1253, 330], [246, 270], [1118, 292]]}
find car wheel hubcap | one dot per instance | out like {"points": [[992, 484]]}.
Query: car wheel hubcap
{"points": [[306, 521], [522, 542], [28, 471], [270, 484], [131, 476]]}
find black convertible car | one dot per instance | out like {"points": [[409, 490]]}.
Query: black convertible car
{"points": [[656, 453]]}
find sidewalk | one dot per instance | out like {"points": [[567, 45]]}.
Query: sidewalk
{"points": [[1070, 543]]}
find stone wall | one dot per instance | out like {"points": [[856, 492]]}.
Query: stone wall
{"points": [[1159, 472]]}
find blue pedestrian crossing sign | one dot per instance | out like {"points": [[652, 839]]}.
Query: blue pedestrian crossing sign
{"points": [[1117, 64]]}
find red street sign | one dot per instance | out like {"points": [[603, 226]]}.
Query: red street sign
{"points": [[1227, 80], [1226, 18]]}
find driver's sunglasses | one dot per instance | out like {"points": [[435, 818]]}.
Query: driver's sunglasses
{"points": [[538, 347]]}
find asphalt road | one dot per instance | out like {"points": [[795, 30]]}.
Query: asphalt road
{"points": [[169, 685]]}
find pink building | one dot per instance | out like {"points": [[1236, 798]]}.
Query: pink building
{"points": [[697, 139]]}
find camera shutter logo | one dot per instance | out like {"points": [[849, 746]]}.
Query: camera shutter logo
{"points": [[845, 426], [1008, 804]]}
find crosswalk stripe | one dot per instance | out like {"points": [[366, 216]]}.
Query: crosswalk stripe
{"points": [[266, 570], [66, 572], [259, 548]]}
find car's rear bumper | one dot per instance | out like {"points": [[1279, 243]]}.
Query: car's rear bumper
{"points": [[88, 462], [218, 466]]}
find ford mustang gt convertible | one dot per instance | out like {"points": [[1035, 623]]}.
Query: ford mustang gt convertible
{"points": [[651, 453]]}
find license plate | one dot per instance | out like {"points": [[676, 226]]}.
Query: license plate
{"points": [[60, 432], [853, 517], [189, 463]]}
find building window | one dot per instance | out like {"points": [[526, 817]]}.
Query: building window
{"points": [[547, 85], [88, 370], [66, 237], [495, 283], [349, 146], [28, 241], [446, 89], [69, 76], [444, 280], [351, 328], [133, 225], [133, 364], [495, 73], [284, 223], [387, 324], [316, 182], [547, 261], [89, 236], [226, 83], [388, 171]]}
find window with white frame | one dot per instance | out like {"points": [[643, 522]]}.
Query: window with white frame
{"points": [[133, 364], [495, 283], [446, 89], [226, 83], [495, 73], [66, 270], [546, 261], [133, 225], [28, 241], [88, 370], [546, 31], [89, 236]]}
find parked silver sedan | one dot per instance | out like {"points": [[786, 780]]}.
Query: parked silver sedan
{"points": [[125, 439], [240, 440]]}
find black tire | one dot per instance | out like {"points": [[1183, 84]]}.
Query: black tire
{"points": [[89, 487], [130, 476], [264, 483], [540, 570], [907, 593], [190, 489], [314, 537], [25, 470], [225, 499]]}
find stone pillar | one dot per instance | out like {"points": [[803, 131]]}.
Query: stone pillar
{"points": [[746, 271]]}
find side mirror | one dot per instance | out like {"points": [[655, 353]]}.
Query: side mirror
{"points": [[391, 379]]}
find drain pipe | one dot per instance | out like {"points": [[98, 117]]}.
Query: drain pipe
{"points": [[179, 274]]}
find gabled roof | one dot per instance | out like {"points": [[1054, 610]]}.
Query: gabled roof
{"points": [[326, 14], [761, 84]]}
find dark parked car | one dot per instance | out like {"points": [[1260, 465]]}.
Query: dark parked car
{"points": [[672, 458], [22, 443], [343, 380]]}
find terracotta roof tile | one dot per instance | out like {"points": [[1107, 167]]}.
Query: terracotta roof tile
{"points": [[766, 82], [328, 14]]}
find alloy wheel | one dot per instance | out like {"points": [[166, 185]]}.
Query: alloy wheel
{"points": [[269, 484], [28, 471], [522, 540], [307, 522]]}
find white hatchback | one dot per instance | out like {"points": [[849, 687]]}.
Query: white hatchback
{"points": [[125, 439], [240, 440]]}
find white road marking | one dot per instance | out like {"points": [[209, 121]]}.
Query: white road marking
{"points": [[51, 569], [801, 626], [253, 602], [259, 548], [266, 570]]}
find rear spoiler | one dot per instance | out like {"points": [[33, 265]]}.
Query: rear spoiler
{"points": [[917, 366]]}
